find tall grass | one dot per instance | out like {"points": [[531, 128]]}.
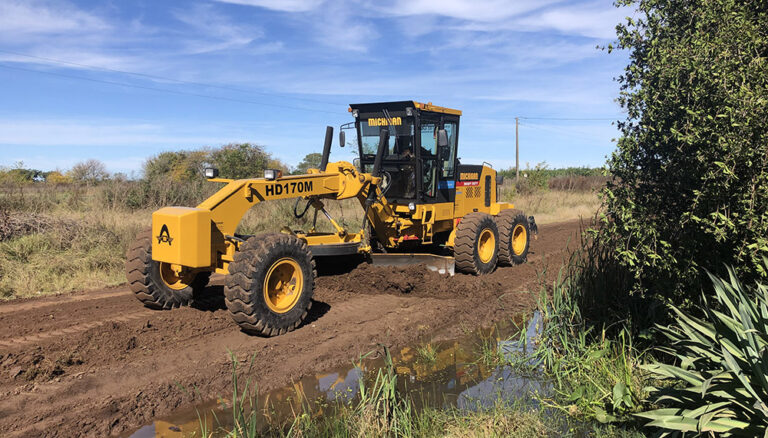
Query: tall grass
{"points": [[587, 343]]}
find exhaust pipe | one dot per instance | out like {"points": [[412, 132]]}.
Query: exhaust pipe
{"points": [[326, 147]]}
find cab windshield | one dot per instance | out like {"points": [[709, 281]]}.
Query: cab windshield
{"points": [[400, 134], [399, 160]]}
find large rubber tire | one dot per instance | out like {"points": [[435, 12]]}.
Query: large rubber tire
{"points": [[145, 280], [245, 289], [513, 227], [467, 244]]}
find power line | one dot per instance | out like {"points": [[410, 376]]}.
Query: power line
{"points": [[163, 78], [163, 90], [565, 132]]}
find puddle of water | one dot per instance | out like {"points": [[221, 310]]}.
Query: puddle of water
{"points": [[441, 375]]}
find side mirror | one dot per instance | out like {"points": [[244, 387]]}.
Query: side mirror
{"points": [[342, 138], [442, 138]]}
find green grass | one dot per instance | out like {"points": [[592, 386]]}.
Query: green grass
{"points": [[426, 354], [383, 410]]}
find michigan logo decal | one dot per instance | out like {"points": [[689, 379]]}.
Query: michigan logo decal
{"points": [[164, 236]]}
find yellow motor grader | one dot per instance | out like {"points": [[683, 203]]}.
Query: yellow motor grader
{"points": [[416, 197]]}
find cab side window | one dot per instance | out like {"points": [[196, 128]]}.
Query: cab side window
{"points": [[449, 162]]}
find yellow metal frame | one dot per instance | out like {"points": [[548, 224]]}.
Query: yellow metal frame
{"points": [[203, 237]]}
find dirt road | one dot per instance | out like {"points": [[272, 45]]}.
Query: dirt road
{"points": [[97, 363]]}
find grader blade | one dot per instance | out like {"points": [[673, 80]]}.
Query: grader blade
{"points": [[440, 264]]}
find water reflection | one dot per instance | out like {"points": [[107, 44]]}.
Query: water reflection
{"points": [[453, 374]]}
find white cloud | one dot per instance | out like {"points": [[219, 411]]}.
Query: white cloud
{"points": [[473, 10], [279, 5], [597, 20], [217, 32], [23, 17]]}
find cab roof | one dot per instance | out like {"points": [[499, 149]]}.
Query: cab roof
{"points": [[401, 106]]}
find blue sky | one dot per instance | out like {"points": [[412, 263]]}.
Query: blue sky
{"points": [[123, 80]]}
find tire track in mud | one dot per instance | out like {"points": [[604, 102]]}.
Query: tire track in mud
{"points": [[34, 304], [71, 330]]}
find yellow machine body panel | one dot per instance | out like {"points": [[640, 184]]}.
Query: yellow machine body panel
{"points": [[476, 191], [182, 236]]}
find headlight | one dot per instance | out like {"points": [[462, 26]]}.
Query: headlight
{"points": [[211, 172], [272, 174], [411, 206]]}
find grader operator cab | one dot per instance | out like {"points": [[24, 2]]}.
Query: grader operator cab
{"points": [[416, 197]]}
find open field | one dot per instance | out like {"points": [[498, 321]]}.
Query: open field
{"points": [[93, 363]]}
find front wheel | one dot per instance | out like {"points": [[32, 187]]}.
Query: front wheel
{"points": [[476, 245], [156, 284], [270, 283]]}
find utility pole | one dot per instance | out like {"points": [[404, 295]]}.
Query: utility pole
{"points": [[517, 150]]}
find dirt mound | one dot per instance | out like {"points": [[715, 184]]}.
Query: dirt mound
{"points": [[418, 281]]}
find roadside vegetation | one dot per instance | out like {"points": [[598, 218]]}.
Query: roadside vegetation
{"points": [[657, 324]]}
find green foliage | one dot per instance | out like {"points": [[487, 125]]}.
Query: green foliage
{"points": [[547, 172], [18, 174], [237, 161], [690, 186], [310, 161], [180, 166], [593, 369], [720, 380], [541, 177]]}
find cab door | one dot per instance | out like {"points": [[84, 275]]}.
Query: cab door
{"points": [[447, 161], [428, 159]]}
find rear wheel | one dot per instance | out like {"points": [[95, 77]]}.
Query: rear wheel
{"points": [[270, 283], [158, 285], [476, 246], [515, 234]]}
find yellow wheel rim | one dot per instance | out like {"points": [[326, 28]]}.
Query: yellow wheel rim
{"points": [[519, 239], [174, 280], [283, 285], [486, 245]]}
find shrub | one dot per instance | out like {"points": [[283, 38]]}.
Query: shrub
{"points": [[176, 166], [691, 169], [240, 160]]}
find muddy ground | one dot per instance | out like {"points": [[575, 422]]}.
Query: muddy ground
{"points": [[97, 363]]}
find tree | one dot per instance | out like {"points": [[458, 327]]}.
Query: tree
{"points": [[690, 187], [310, 161], [89, 171], [243, 160], [177, 166]]}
